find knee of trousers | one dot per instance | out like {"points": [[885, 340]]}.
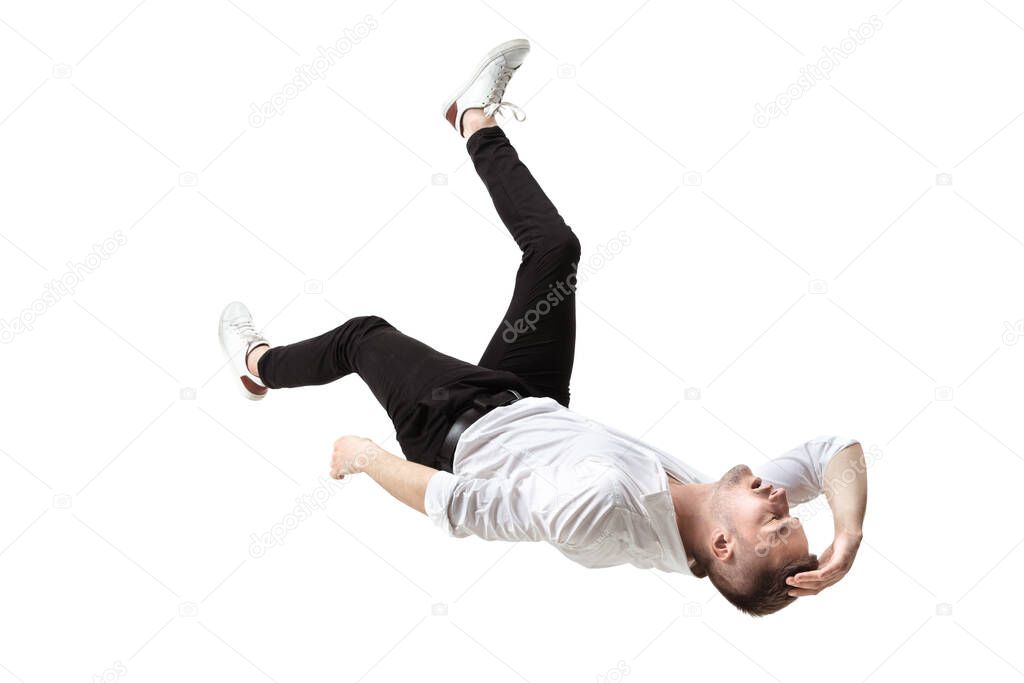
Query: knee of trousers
{"points": [[353, 330], [364, 322], [562, 246]]}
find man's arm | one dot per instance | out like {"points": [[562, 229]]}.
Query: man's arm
{"points": [[528, 508], [405, 480], [846, 489]]}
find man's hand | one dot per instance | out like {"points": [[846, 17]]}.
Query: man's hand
{"points": [[351, 455], [833, 565], [406, 481], [846, 487]]}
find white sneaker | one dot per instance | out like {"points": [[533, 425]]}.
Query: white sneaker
{"points": [[487, 86], [238, 336]]}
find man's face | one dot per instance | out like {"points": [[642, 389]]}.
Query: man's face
{"points": [[759, 515]]}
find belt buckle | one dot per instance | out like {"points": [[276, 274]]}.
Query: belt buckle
{"points": [[518, 397], [487, 404]]}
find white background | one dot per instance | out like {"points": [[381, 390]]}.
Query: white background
{"points": [[808, 277]]}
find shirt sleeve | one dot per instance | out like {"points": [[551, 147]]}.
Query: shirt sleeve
{"points": [[556, 505], [801, 470]]}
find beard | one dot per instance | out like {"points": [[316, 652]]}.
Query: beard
{"points": [[733, 477], [721, 498]]}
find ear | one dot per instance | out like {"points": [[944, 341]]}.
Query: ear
{"points": [[722, 544]]}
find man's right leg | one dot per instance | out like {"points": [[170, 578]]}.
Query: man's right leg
{"points": [[536, 339]]}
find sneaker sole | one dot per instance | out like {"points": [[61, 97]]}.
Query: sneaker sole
{"points": [[508, 46], [256, 393], [243, 381]]}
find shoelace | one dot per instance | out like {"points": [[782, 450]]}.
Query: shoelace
{"points": [[494, 103], [244, 328]]}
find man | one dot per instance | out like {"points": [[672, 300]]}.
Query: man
{"points": [[493, 450]]}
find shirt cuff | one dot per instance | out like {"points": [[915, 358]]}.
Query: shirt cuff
{"points": [[436, 499]]}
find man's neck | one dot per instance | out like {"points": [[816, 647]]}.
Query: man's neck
{"points": [[691, 503]]}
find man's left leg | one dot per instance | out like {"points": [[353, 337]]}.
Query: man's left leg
{"points": [[422, 389]]}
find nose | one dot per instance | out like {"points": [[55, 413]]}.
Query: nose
{"points": [[779, 496]]}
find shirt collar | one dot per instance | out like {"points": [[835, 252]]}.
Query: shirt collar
{"points": [[673, 556]]}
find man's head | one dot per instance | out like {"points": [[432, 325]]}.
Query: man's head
{"points": [[751, 543]]}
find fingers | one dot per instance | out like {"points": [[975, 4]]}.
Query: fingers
{"points": [[807, 587], [351, 455], [338, 469], [340, 466], [801, 587], [815, 576], [339, 461], [813, 582], [834, 567], [819, 581]]}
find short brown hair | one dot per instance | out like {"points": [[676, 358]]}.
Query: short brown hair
{"points": [[768, 592]]}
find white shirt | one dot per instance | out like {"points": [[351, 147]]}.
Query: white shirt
{"points": [[537, 471]]}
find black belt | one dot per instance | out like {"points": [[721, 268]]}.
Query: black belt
{"points": [[481, 406]]}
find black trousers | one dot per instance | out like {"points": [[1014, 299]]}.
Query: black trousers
{"points": [[424, 390]]}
